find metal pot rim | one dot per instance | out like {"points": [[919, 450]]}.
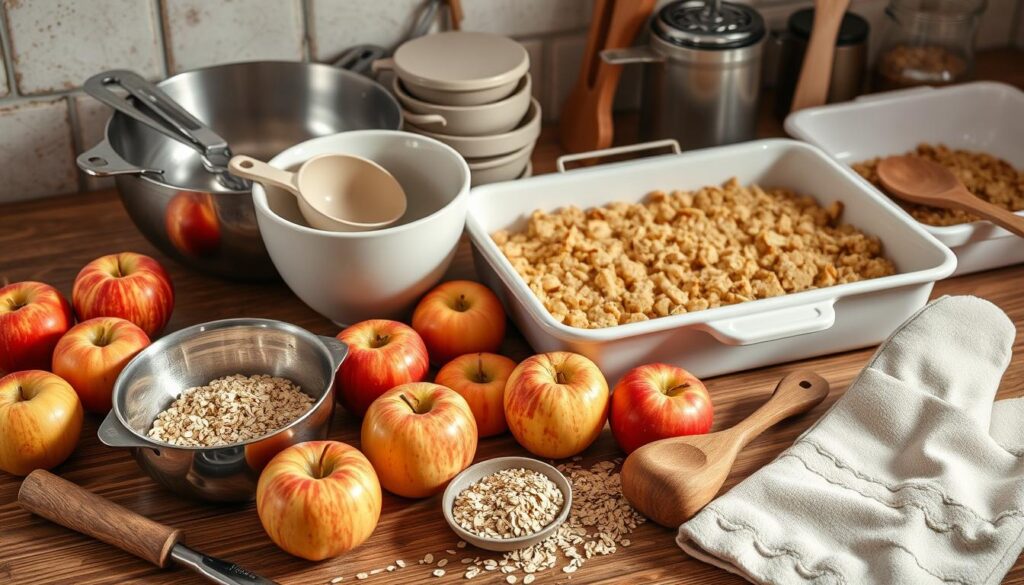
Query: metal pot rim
{"points": [[335, 355], [147, 174]]}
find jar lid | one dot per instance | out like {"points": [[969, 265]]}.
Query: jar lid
{"points": [[853, 30], [461, 61], [697, 24]]}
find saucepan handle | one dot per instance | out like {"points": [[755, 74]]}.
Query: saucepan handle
{"points": [[113, 434], [103, 161], [657, 144], [338, 349], [631, 55]]}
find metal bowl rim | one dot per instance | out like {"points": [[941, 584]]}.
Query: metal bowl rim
{"points": [[174, 338], [344, 72]]}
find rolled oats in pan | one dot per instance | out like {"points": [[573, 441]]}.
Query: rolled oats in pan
{"points": [[686, 251], [987, 177], [229, 410]]}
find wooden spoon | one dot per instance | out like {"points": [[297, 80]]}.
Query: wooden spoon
{"points": [[816, 73], [918, 180], [672, 479], [586, 118]]}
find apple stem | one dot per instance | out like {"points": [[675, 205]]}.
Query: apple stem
{"points": [[480, 377], [560, 377], [405, 398], [460, 304], [320, 463], [21, 392], [676, 390], [379, 340], [120, 271]]}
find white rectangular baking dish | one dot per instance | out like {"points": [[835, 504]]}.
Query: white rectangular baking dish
{"points": [[985, 116], [735, 337]]}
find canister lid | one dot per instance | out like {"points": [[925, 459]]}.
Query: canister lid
{"points": [[852, 31], [461, 61], [709, 25]]}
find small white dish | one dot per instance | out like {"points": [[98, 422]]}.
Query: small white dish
{"points": [[474, 473], [499, 168]]}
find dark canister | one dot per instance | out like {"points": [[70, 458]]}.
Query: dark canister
{"points": [[849, 66]]}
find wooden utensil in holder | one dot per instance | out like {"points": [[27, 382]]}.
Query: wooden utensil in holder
{"points": [[586, 118], [812, 87]]}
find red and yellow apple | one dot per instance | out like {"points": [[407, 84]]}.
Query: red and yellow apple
{"points": [[658, 401], [419, 436], [319, 499], [40, 420], [556, 404], [92, 354], [480, 379], [192, 224], [33, 317], [382, 354], [459, 317], [127, 285]]}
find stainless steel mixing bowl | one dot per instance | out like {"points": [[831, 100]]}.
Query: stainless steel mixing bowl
{"points": [[201, 353], [260, 108]]}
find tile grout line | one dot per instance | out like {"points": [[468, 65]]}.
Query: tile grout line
{"points": [[7, 48]]}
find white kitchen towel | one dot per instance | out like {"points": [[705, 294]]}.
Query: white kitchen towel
{"points": [[913, 476]]}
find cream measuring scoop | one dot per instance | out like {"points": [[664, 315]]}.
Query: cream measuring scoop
{"points": [[335, 192]]}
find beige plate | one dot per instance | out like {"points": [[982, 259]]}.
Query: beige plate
{"points": [[495, 144], [461, 61], [483, 120], [484, 468], [499, 168]]}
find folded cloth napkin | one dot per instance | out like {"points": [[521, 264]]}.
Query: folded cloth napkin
{"points": [[913, 476]]}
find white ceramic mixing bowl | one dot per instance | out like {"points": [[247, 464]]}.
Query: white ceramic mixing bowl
{"points": [[349, 277]]}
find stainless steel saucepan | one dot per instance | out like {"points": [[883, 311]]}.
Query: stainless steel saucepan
{"points": [[174, 191], [194, 356]]}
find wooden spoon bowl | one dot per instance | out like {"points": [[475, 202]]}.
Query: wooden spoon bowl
{"points": [[670, 480]]}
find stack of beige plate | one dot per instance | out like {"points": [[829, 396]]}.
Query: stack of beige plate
{"points": [[471, 91]]}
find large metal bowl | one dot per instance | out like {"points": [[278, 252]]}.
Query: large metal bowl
{"points": [[193, 356], [260, 108]]}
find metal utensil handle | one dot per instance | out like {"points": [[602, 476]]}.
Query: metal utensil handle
{"points": [[67, 504], [171, 119], [103, 161], [666, 143], [216, 570]]}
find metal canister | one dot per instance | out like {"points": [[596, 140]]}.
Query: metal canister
{"points": [[849, 65], [702, 73]]}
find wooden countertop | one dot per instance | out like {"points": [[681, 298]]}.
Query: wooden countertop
{"points": [[50, 240]]}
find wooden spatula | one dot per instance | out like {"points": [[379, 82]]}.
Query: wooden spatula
{"points": [[586, 118], [816, 73], [919, 180], [672, 479]]}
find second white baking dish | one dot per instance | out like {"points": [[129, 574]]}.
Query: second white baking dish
{"points": [[984, 116], [735, 337]]}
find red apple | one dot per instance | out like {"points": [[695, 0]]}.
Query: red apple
{"points": [[459, 317], [382, 354], [418, 436], [127, 285], [556, 404], [92, 354], [40, 420], [480, 379], [318, 499], [658, 401], [192, 224], [33, 317]]}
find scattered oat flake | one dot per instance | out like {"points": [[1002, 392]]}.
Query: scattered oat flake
{"points": [[510, 579], [400, 563], [376, 571], [462, 544], [337, 580], [570, 568], [625, 542], [428, 558], [362, 576], [391, 568], [439, 572], [442, 562], [450, 551], [466, 561], [528, 579]]}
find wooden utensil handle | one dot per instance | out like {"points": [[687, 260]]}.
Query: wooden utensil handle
{"points": [[816, 73], [797, 393], [65, 503], [1000, 216]]}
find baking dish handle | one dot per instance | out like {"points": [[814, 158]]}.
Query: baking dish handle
{"points": [[773, 325], [657, 144]]}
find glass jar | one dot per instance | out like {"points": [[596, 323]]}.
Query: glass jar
{"points": [[927, 42]]}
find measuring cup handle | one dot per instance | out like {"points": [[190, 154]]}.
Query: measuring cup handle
{"points": [[261, 172]]}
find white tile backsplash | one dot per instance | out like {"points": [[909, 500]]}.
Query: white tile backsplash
{"points": [[57, 44], [201, 33], [526, 17], [91, 119], [562, 71], [36, 153], [335, 25]]}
